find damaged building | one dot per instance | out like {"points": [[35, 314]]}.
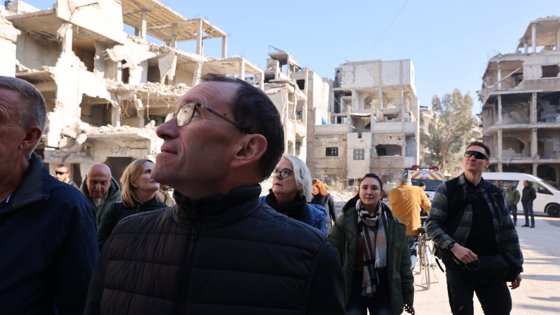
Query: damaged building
{"points": [[302, 98], [106, 90], [521, 104], [375, 128]]}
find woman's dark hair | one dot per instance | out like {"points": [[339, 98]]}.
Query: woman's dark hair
{"points": [[252, 109]]}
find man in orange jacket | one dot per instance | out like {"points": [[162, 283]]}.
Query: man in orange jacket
{"points": [[406, 202]]}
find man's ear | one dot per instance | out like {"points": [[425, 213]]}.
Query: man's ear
{"points": [[32, 137], [251, 149]]}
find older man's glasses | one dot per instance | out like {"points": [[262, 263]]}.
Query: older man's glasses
{"points": [[282, 174], [60, 172], [477, 155], [185, 114]]}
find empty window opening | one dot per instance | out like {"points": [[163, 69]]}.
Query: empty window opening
{"points": [[388, 150], [550, 71]]}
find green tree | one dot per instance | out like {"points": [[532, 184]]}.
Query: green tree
{"points": [[450, 127]]}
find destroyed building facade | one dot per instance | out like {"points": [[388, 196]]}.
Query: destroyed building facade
{"points": [[107, 90], [375, 128], [521, 104], [111, 71]]}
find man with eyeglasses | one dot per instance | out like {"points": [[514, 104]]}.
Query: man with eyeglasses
{"points": [[470, 224], [63, 174], [219, 250]]}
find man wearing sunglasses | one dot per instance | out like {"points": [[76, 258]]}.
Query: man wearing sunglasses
{"points": [[469, 222], [219, 250], [62, 173]]}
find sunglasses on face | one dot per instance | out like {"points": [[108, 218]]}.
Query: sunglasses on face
{"points": [[477, 155], [282, 174], [60, 173], [185, 114]]}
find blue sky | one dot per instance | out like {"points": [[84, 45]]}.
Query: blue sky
{"points": [[449, 42]]}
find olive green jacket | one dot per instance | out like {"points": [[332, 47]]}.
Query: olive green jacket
{"points": [[343, 236]]}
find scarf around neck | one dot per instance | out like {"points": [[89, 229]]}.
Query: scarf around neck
{"points": [[375, 246]]}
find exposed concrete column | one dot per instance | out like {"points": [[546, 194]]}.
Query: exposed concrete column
{"points": [[66, 33], [499, 149], [173, 42], [140, 111], [534, 38], [355, 101], [224, 47], [499, 109], [534, 143], [116, 115], [533, 109], [143, 24], [242, 69], [535, 169], [401, 100], [199, 38], [499, 74], [197, 73]]}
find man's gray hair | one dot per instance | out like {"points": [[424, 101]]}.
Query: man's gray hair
{"points": [[34, 111]]}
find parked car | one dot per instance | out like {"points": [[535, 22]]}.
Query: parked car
{"points": [[548, 198]]}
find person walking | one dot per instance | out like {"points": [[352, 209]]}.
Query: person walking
{"points": [[407, 202], [512, 199], [528, 195], [322, 197], [220, 249], [373, 249], [291, 191], [471, 227], [138, 195], [47, 228]]}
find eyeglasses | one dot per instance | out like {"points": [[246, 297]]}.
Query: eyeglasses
{"points": [[283, 174], [477, 155], [60, 173], [185, 114]]}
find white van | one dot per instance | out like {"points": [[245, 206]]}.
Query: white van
{"points": [[548, 198]]}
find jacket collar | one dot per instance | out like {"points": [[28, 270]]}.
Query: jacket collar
{"points": [[31, 188], [243, 199]]}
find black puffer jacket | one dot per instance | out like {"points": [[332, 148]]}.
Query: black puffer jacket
{"points": [[202, 257]]}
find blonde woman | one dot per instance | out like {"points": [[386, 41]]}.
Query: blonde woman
{"points": [[291, 193], [138, 195]]}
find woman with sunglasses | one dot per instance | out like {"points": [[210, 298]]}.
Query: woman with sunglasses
{"points": [[138, 195], [291, 193], [374, 253]]}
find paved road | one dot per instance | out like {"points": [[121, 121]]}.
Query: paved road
{"points": [[539, 292]]}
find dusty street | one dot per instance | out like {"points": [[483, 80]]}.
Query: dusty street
{"points": [[539, 289]]}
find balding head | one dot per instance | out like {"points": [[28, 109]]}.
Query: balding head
{"points": [[98, 180]]}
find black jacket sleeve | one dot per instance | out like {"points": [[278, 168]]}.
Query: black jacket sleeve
{"points": [[326, 292]]}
